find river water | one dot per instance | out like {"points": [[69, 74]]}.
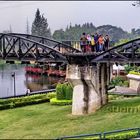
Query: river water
{"points": [[18, 86]]}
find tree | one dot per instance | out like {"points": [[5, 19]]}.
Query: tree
{"points": [[45, 30], [59, 34], [40, 25]]}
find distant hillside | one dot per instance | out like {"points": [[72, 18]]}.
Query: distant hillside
{"points": [[74, 32]]}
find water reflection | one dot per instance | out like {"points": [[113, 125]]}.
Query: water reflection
{"points": [[38, 82], [23, 81]]}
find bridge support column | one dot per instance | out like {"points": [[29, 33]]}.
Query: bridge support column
{"points": [[90, 87]]}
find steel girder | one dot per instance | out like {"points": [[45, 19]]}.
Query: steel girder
{"points": [[62, 47], [21, 48], [126, 52]]}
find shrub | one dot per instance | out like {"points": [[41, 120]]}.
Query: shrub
{"points": [[64, 91], [134, 72], [123, 135], [128, 68], [59, 92], [55, 101], [69, 92], [51, 95], [126, 83], [23, 101], [119, 81], [112, 97]]}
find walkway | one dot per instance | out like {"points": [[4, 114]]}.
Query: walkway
{"points": [[122, 91]]}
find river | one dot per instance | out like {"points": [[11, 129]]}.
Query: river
{"points": [[18, 86]]}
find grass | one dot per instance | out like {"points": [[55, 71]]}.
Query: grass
{"points": [[50, 121]]}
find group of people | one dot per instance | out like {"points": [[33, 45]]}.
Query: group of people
{"points": [[94, 42]]}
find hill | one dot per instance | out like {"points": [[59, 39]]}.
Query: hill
{"points": [[74, 32]]}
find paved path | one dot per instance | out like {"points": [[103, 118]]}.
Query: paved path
{"points": [[123, 91]]}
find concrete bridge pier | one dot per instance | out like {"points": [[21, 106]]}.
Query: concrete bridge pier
{"points": [[90, 87]]}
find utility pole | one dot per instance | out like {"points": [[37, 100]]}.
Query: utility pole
{"points": [[13, 75]]}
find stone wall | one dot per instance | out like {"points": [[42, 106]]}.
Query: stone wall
{"points": [[134, 82]]}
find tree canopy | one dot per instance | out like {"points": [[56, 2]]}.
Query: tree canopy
{"points": [[40, 25]]}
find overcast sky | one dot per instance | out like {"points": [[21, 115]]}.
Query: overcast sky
{"points": [[62, 13]]}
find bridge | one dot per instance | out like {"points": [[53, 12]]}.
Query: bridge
{"points": [[24, 47], [89, 73], [18, 46]]}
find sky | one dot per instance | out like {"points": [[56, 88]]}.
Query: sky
{"points": [[61, 13]]}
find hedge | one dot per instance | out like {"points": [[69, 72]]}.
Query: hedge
{"points": [[69, 92], [64, 92], [60, 94], [27, 100], [55, 101], [51, 95], [134, 72], [121, 135]]}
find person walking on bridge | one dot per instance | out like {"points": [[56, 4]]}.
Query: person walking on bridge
{"points": [[93, 45], [101, 43], [88, 46], [106, 42], [83, 42], [96, 37]]}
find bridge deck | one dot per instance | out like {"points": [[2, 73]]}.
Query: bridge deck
{"points": [[82, 54]]}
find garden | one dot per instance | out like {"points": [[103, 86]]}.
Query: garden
{"points": [[48, 116], [46, 121]]}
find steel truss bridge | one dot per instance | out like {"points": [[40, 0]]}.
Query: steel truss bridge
{"points": [[25, 47], [14, 46]]}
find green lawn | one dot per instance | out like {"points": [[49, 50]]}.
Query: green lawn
{"points": [[49, 121]]}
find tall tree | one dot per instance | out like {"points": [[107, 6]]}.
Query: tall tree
{"points": [[45, 30], [40, 25]]}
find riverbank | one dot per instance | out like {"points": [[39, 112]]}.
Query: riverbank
{"points": [[49, 121]]}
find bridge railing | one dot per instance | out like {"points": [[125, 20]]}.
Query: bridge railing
{"points": [[31, 93], [96, 135], [107, 135], [73, 43]]}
